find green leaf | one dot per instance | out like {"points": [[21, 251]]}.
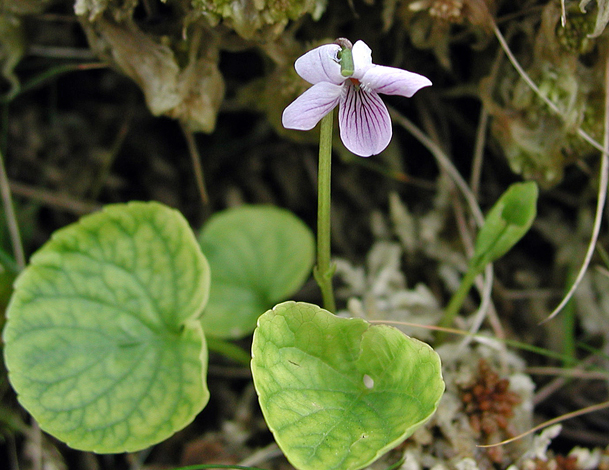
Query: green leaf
{"points": [[506, 223], [103, 342], [337, 393], [259, 255]]}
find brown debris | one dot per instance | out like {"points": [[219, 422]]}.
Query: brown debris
{"points": [[489, 404]]}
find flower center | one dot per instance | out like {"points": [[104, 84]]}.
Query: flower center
{"points": [[345, 57], [355, 82]]}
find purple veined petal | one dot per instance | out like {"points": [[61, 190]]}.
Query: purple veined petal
{"points": [[306, 111], [362, 59], [364, 122], [320, 65], [393, 81]]}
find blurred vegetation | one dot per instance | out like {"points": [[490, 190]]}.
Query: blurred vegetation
{"points": [[172, 51]]}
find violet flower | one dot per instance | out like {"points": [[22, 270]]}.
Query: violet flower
{"points": [[363, 119]]}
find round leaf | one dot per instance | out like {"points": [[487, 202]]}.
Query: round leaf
{"points": [[259, 255], [337, 393], [103, 343]]}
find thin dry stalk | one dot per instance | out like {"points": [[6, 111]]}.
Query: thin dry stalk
{"points": [[604, 171], [443, 161], [470, 198], [480, 144], [583, 134], [549, 389], [600, 204], [559, 419], [570, 373], [478, 158], [54, 200], [11, 218], [196, 164]]}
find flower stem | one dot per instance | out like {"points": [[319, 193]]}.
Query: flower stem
{"points": [[229, 350], [324, 270], [456, 302]]}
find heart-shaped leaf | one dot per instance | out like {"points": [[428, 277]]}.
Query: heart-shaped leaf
{"points": [[259, 255], [103, 343], [337, 393]]}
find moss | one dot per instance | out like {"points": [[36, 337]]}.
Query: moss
{"points": [[574, 35], [250, 18], [537, 142]]}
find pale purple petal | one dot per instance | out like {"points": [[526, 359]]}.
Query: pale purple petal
{"points": [[320, 65], [307, 110], [362, 59], [393, 81], [365, 125]]}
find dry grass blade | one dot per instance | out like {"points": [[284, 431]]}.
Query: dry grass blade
{"points": [[558, 419], [443, 329], [569, 373], [196, 164], [583, 134], [479, 150], [444, 162], [604, 171], [53, 199], [11, 218], [470, 198], [600, 205]]}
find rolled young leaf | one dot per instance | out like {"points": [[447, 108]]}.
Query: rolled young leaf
{"points": [[506, 223]]}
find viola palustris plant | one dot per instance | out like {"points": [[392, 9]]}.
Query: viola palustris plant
{"points": [[338, 393]]}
